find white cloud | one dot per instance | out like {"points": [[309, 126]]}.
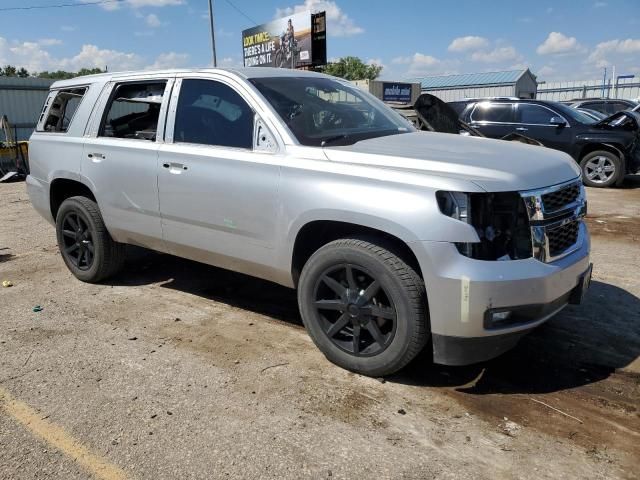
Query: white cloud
{"points": [[170, 60], [468, 43], [339, 24], [600, 4], [68, 28], [49, 42], [35, 57], [375, 61], [546, 71], [497, 55], [152, 20], [606, 52], [90, 56], [558, 44], [420, 64]]}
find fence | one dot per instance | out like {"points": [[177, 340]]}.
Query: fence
{"points": [[628, 88]]}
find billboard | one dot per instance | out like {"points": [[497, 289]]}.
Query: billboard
{"points": [[396, 92], [288, 42]]}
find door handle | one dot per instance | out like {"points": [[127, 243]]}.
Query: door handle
{"points": [[175, 166], [97, 155], [521, 129]]}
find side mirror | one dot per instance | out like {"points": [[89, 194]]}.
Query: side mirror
{"points": [[263, 139], [558, 121]]}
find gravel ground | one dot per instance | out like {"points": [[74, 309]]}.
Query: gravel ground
{"points": [[175, 369]]}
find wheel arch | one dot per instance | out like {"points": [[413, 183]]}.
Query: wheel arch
{"points": [[63, 188], [316, 233], [607, 147]]}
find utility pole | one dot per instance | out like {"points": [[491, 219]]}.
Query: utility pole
{"points": [[213, 37]]}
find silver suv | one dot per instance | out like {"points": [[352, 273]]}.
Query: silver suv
{"points": [[394, 239]]}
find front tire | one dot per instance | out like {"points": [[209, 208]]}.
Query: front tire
{"points": [[601, 169], [86, 247], [363, 306]]}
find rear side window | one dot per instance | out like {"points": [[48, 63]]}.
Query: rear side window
{"points": [[535, 114], [63, 108], [597, 106], [133, 111], [618, 106], [212, 113], [493, 112]]}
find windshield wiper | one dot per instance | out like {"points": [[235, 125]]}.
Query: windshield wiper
{"points": [[335, 138]]}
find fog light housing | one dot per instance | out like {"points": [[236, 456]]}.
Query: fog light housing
{"points": [[498, 318]]}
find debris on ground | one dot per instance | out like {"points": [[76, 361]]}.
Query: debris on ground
{"points": [[510, 428], [37, 308], [7, 283]]}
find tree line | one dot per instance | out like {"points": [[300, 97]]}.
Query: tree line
{"points": [[11, 71], [349, 68]]}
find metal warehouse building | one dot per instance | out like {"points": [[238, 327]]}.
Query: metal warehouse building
{"points": [[21, 100], [511, 83]]}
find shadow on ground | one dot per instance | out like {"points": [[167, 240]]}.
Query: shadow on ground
{"points": [[581, 345], [631, 182]]}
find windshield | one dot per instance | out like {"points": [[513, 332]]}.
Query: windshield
{"points": [[574, 114], [324, 111]]}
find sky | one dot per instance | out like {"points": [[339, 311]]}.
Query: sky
{"points": [[557, 40]]}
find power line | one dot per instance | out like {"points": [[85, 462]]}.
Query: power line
{"points": [[241, 12], [59, 5]]}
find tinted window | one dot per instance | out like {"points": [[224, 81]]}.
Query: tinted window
{"points": [[535, 114], [211, 113], [326, 112], [63, 107], [493, 112], [619, 106], [133, 111], [597, 106]]}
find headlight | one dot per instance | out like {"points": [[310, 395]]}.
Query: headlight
{"points": [[454, 205], [500, 220]]}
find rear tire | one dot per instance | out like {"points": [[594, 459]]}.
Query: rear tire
{"points": [[601, 169], [86, 246], [363, 306]]}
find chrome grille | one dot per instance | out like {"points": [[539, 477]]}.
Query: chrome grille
{"points": [[563, 237], [555, 215], [560, 199]]}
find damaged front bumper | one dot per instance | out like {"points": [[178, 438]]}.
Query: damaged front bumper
{"points": [[463, 291]]}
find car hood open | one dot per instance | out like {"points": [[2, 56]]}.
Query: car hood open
{"points": [[608, 122], [493, 165]]}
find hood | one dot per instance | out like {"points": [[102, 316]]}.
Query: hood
{"points": [[493, 165], [617, 119]]}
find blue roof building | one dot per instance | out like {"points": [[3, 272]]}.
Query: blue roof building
{"points": [[510, 83]]}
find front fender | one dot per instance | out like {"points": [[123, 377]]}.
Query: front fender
{"points": [[407, 212]]}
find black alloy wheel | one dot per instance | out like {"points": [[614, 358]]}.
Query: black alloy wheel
{"points": [[86, 246], [363, 305], [356, 312], [78, 244]]}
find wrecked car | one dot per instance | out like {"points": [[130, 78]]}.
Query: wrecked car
{"points": [[431, 114], [395, 239], [606, 150]]}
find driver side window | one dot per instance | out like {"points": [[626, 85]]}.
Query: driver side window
{"points": [[212, 113]]}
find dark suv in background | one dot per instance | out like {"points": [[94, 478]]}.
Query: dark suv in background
{"points": [[606, 150], [608, 106]]}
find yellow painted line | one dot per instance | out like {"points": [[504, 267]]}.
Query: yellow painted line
{"points": [[57, 437]]}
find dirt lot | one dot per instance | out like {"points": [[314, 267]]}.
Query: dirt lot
{"points": [[180, 370]]}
